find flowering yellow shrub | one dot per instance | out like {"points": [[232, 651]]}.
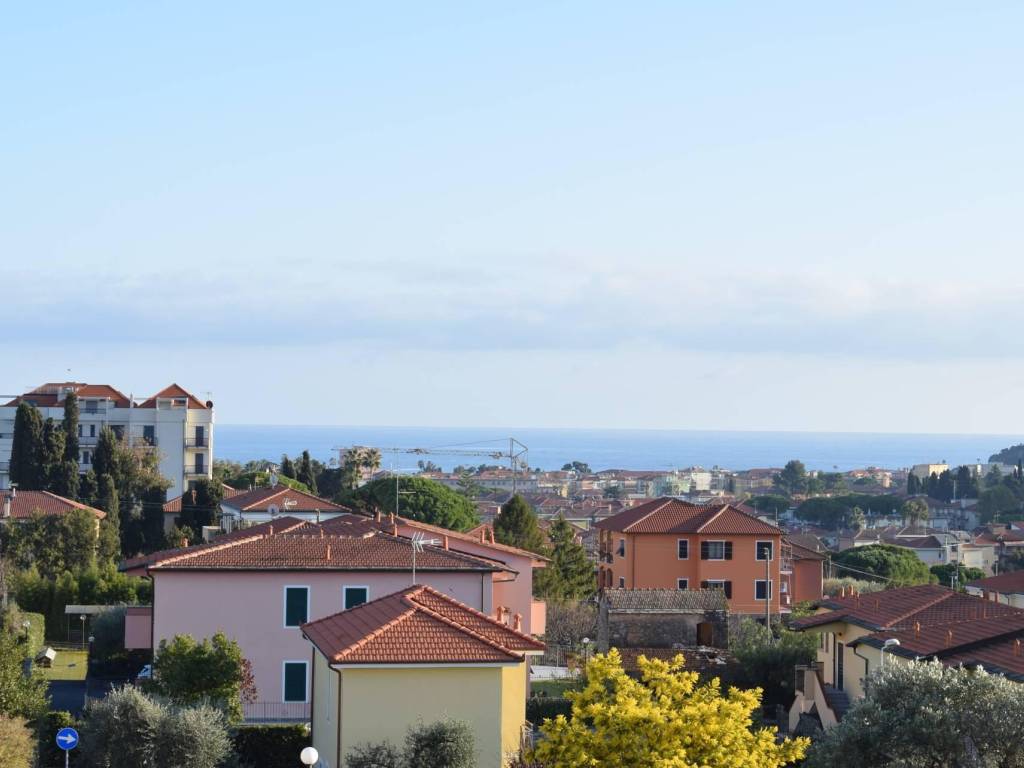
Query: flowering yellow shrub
{"points": [[664, 720]]}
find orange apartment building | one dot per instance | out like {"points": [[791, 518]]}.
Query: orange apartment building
{"points": [[671, 544]]}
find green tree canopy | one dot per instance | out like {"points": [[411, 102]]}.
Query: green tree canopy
{"points": [[304, 473], [915, 512], [900, 566], [997, 502], [26, 467], [20, 695], [421, 499], [769, 504], [189, 672], [516, 525], [767, 659], [570, 574], [793, 477], [70, 425], [579, 467], [287, 467], [924, 715], [964, 574], [200, 506]]}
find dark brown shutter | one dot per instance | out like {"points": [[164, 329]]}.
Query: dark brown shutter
{"points": [[703, 550], [703, 585], [728, 590], [728, 550]]}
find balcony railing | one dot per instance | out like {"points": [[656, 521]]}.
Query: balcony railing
{"points": [[197, 469], [276, 712], [88, 439], [5, 466], [197, 442]]}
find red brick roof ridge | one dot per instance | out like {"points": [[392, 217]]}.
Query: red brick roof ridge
{"points": [[657, 508], [212, 546], [719, 513], [353, 647], [462, 627]]}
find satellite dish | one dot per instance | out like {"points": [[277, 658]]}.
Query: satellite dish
{"points": [[273, 510]]}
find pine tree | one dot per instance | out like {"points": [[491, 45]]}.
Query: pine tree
{"points": [[71, 428], [570, 574], [287, 467], [26, 468], [516, 526], [305, 474], [110, 527]]}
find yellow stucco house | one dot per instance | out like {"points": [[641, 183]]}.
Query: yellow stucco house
{"points": [[858, 633], [417, 656]]}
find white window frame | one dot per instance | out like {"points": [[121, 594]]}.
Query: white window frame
{"points": [[682, 583], [284, 680], [709, 542], [284, 604], [769, 588], [344, 594], [678, 542], [757, 549], [716, 584]]}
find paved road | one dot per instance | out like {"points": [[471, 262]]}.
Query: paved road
{"points": [[70, 695]]}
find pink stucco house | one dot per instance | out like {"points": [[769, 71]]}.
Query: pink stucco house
{"points": [[259, 584]]}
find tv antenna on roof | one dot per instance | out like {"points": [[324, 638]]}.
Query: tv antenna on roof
{"points": [[419, 541]]}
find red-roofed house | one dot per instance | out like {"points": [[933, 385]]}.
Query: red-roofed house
{"points": [[261, 505], [18, 505], [1007, 588], [671, 544], [415, 656], [176, 423], [259, 584], [922, 622]]}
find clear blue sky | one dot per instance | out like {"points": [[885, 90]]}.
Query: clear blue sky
{"points": [[731, 215]]}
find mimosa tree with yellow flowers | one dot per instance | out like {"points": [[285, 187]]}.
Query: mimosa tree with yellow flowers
{"points": [[666, 719]]}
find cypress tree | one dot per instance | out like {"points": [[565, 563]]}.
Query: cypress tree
{"points": [[71, 446], [110, 527], [287, 467], [26, 467], [53, 455], [305, 472], [516, 526], [88, 488], [104, 458]]}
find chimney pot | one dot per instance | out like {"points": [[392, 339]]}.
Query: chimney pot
{"points": [[446, 542], [328, 551], [394, 527], [517, 624]]}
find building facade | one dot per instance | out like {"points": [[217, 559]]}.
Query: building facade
{"points": [[173, 422], [673, 544]]}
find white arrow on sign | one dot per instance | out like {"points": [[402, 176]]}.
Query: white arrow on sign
{"points": [[67, 738]]}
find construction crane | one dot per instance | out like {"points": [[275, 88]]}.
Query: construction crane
{"points": [[516, 453]]}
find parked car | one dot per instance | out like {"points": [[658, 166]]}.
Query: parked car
{"points": [[146, 673]]}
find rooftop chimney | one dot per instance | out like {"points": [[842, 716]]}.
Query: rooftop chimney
{"points": [[917, 629], [6, 511], [949, 637], [517, 622], [328, 551], [446, 542]]}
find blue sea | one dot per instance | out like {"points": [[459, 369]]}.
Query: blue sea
{"points": [[617, 448]]}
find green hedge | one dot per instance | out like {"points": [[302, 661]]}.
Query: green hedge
{"points": [[270, 746], [50, 755], [541, 708]]}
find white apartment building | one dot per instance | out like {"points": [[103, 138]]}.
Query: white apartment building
{"points": [[174, 422]]}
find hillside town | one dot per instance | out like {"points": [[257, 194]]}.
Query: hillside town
{"points": [[363, 616]]}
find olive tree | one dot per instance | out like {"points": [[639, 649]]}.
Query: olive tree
{"points": [[927, 715]]}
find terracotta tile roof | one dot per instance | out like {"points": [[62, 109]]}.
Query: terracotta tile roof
{"points": [[928, 604], [935, 622], [173, 506], [24, 503], [174, 391], [417, 625], [285, 499], [801, 552], [669, 515], [476, 535], [47, 395], [1007, 583], [292, 544], [664, 600]]}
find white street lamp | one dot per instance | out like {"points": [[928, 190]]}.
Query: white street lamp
{"points": [[892, 642], [309, 756]]}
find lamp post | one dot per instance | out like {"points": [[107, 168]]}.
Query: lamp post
{"points": [[892, 642], [81, 618], [309, 756]]}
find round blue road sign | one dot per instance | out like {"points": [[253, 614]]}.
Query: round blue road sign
{"points": [[67, 738]]}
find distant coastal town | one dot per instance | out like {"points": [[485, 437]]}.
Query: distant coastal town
{"points": [[322, 592]]}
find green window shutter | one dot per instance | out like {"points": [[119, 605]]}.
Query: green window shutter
{"points": [[295, 681], [296, 600]]}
